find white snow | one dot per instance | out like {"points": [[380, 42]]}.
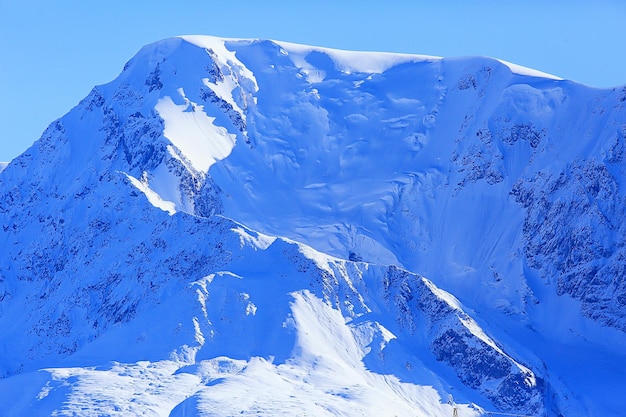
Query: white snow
{"points": [[225, 89], [348, 61], [3, 165], [257, 240], [193, 132], [226, 56], [521, 70], [154, 198], [166, 184]]}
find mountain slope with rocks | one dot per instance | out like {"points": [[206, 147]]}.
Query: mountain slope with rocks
{"points": [[262, 228]]}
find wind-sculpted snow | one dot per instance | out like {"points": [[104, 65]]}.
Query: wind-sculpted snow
{"points": [[257, 227]]}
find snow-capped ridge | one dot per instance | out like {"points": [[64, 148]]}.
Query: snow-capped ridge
{"points": [[378, 62], [245, 226], [521, 70], [344, 60], [349, 61], [222, 82], [154, 198]]}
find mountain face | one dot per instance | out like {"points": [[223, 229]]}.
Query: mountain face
{"points": [[262, 228]]}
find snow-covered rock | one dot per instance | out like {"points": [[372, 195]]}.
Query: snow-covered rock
{"points": [[250, 226]]}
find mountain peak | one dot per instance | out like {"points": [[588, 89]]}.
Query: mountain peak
{"points": [[364, 233]]}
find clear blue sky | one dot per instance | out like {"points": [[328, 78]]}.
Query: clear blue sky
{"points": [[53, 52]]}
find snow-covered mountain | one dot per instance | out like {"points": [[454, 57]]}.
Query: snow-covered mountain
{"points": [[262, 228]]}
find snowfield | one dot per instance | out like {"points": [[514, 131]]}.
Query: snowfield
{"points": [[252, 227]]}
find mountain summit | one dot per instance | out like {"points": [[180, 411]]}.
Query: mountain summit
{"points": [[251, 227]]}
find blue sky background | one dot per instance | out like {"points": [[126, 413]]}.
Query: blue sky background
{"points": [[53, 52]]}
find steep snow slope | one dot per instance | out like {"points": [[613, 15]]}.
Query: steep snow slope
{"points": [[128, 281]]}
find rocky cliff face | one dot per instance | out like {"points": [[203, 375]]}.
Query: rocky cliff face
{"points": [[227, 211]]}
